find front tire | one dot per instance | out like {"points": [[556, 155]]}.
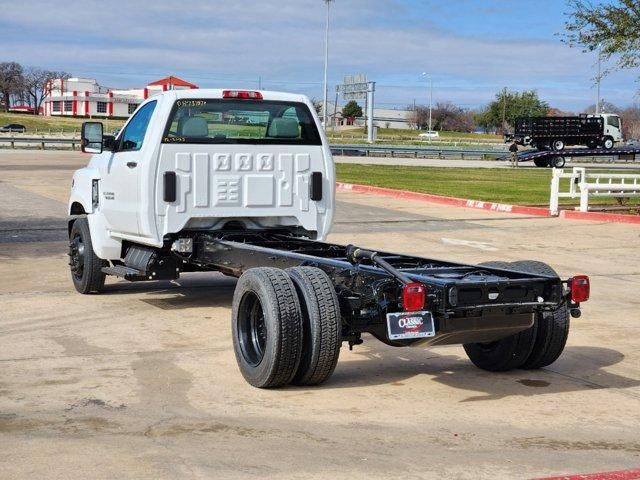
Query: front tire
{"points": [[608, 143], [322, 325], [553, 327], [266, 327], [85, 266], [557, 144]]}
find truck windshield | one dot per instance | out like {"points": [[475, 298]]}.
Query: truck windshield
{"points": [[242, 122]]}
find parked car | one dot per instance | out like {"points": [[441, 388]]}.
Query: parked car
{"points": [[430, 134], [13, 127]]}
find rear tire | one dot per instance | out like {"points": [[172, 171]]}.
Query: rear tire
{"points": [[322, 325], [504, 354], [496, 264], [553, 327], [558, 162], [85, 266], [266, 327], [592, 144], [541, 162]]}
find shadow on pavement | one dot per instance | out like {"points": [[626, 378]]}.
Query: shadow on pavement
{"points": [[579, 368]]}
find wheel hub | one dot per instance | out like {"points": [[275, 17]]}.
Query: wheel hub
{"points": [[76, 256]]}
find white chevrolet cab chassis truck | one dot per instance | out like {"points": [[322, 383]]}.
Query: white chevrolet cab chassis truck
{"points": [[243, 183]]}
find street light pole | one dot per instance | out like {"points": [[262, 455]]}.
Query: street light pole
{"points": [[599, 78], [326, 67], [427, 75]]}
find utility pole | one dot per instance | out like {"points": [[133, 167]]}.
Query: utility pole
{"points": [[370, 101], [598, 78], [504, 109], [335, 109], [426, 75], [326, 67], [430, 103], [260, 83]]}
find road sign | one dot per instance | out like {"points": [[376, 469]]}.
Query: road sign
{"points": [[354, 87]]}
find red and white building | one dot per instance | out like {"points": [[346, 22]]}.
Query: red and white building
{"points": [[83, 97]]}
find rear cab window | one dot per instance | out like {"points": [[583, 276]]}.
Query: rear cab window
{"points": [[232, 121]]}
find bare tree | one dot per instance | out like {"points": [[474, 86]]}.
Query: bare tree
{"points": [[447, 116], [631, 123], [36, 83], [11, 82], [418, 118]]}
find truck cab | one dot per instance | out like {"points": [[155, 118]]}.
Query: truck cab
{"points": [[612, 126], [204, 159]]}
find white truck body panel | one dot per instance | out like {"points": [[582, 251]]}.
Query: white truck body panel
{"points": [[258, 185]]}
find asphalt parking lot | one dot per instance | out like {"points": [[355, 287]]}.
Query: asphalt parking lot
{"points": [[141, 381]]}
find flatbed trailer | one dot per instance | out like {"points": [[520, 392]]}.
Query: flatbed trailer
{"points": [[552, 158]]}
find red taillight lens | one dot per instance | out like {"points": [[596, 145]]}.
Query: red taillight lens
{"points": [[414, 296], [580, 288], [242, 94]]}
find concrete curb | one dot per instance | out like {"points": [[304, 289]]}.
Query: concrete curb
{"points": [[480, 205], [632, 474]]}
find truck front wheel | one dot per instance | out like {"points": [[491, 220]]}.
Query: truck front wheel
{"points": [[85, 266], [553, 327], [608, 143], [322, 325], [557, 144], [266, 327]]}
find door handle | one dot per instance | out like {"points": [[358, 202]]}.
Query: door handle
{"points": [[132, 164]]}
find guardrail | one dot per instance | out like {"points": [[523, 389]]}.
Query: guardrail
{"points": [[41, 142], [393, 150], [338, 149], [584, 185]]}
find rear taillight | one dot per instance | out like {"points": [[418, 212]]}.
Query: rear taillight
{"points": [[414, 296], [242, 94], [580, 288]]}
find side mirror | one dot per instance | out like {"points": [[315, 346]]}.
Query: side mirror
{"points": [[91, 137]]}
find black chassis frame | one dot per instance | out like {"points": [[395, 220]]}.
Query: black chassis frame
{"points": [[458, 294]]}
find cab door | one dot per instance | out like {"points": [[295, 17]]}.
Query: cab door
{"points": [[120, 180]]}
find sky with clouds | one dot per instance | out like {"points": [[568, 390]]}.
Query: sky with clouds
{"points": [[472, 48]]}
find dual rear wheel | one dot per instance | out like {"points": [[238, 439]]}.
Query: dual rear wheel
{"points": [[286, 326], [536, 347]]}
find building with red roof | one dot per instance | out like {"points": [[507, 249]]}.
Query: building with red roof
{"points": [[84, 97]]}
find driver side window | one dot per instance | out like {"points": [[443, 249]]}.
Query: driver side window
{"points": [[133, 135]]}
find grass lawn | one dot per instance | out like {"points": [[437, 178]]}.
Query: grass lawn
{"points": [[518, 186], [53, 124]]}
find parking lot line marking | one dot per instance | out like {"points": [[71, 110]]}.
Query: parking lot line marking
{"points": [[487, 247]]}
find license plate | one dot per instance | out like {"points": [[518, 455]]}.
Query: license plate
{"points": [[404, 325]]}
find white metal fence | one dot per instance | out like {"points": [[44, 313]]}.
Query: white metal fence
{"points": [[585, 185]]}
